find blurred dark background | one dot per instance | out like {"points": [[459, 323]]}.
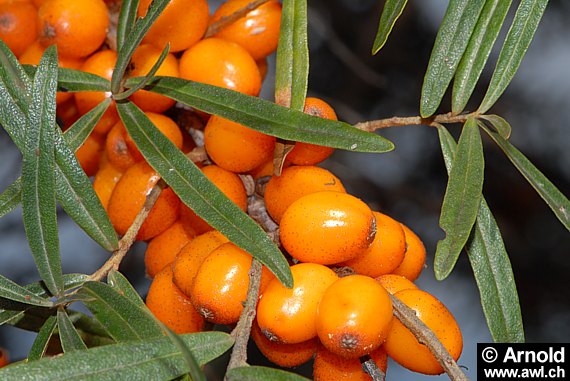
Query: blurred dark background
{"points": [[408, 183]]}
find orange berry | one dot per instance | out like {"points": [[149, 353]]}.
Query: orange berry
{"points": [[77, 27], [262, 67], [403, 346], [288, 315], [142, 61], [182, 24], [105, 180], [67, 112], [327, 228], [235, 147], [311, 154], [101, 63], [257, 31], [89, 153], [18, 25], [191, 256], [329, 366], [221, 63], [171, 306], [386, 251], [414, 258], [354, 316], [165, 125], [285, 355], [129, 197], [394, 283], [162, 249], [4, 359], [229, 183], [117, 150], [295, 182], [220, 286]]}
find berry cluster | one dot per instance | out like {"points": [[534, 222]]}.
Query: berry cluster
{"points": [[198, 275]]}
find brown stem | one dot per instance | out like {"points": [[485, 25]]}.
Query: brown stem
{"points": [[372, 368], [397, 121], [242, 330], [217, 26], [258, 212], [129, 238], [425, 335]]}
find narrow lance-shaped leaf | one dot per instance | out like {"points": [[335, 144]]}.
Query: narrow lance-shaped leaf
{"points": [[155, 359], [477, 51], [292, 66], [12, 118], [124, 287], [127, 18], [18, 85], [544, 187], [196, 191], [13, 291], [194, 371], [450, 43], [11, 197], [73, 80], [262, 373], [499, 124], [41, 342], [491, 265], [133, 40], [267, 117], [38, 175], [68, 335], [461, 200], [390, 13], [516, 44]]}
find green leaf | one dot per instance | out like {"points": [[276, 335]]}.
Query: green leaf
{"points": [[390, 13], [68, 335], [500, 125], [124, 287], [156, 359], [40, 344], [72, 80], [196, 191], [461, 200], [491, 266], [450, 43], [516, 44], [127, 19], [292, 66], [38, 175], [544, 187], [248, 373], [11, 197], [18, 84], [79, 131], [267, 117], [12, 118], [477, 51], [13, 291], [123, 319], [132, 41], [195, 372]]}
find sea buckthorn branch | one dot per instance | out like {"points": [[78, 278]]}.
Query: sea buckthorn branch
{"points": [[372, 368], [425, 335], [397, 121], [217, 26]]}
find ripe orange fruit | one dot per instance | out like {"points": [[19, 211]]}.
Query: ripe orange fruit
{"points": [[4, 359], [327, 228], [171, 306], [18, 25], [162, 249], [165, 125], [311, 154], [89, 153], [182, 23], [285, 355], [77, 27], [67, 112], [257, 31], [403, 346], [229, 183], [129, 197], [354, 316], [295, 182], [221, 63], [117, 150], [191, 256], [105, 180], [329, 366], [288, 315], [386, 251], [394, 283], [142, 61], [414, 258], [235, 147]]}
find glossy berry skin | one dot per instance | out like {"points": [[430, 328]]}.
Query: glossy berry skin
{"points": [[405, 349], [89, 153], [162, 123], [327, 228], [117, 150], [414, 257], [18, 25], [288, 315], [162, 249], [394, 283], [354, 316], [105, 180], [329, 366]]}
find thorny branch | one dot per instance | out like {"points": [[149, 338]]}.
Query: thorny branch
{"points": [[217, 26], [397, 121]]}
